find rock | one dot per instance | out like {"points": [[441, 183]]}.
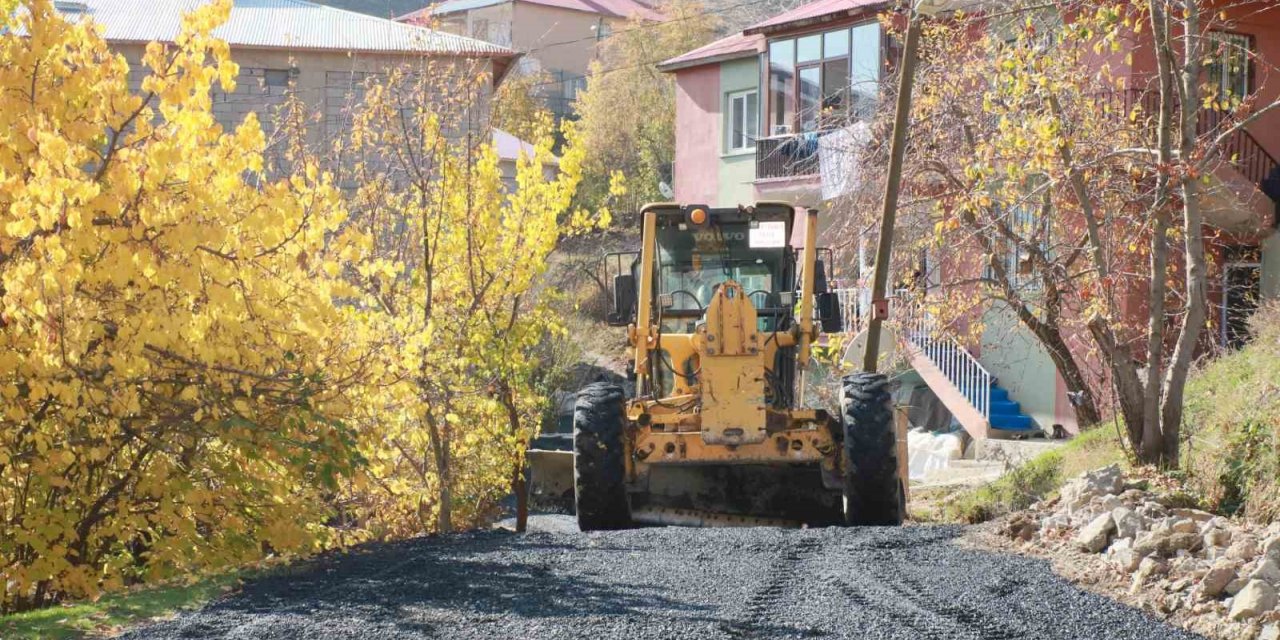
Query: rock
{"points": [[1095, 535], [1148, 568], [1271, 548], [1243, 547], [1109, 502], [1183, 525], [1195, 515], [1185, 542], [1122, 555], [1150, 543], [1270, 632], [1108, 479], [1152, 510], [1215, 582], [1235, 586], [1256, 598], [1128, 522], [1155, 543], [1267, 570], [1132, 497], [1099, 482], [1055, 522], [1216, 537]]}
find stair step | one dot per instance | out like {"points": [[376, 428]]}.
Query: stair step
{"points": [[1006, 407], [1011, 423], [999, 394]]}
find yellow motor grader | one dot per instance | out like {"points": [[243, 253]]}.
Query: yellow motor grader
{"points": [[722, 312]]}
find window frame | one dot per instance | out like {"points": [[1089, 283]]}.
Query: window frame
{"points": [[751, 131], [767, 106], [1219, 37]]}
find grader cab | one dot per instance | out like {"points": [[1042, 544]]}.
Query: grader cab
{"points": [[722, 315]]}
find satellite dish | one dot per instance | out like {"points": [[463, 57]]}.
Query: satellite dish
{"points": [[858, 346], [666, 190]]}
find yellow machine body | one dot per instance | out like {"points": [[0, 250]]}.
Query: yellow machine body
{"points": [[719, 387]]}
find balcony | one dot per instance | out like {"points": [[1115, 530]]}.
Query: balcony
{"points": [[1251, 167], [787, 156]]}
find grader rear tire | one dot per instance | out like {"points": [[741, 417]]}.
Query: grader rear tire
{"points": [[873, 492], [599, 472]]}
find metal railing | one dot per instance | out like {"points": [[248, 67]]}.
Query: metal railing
{"points": [[1240, 149], [960, 367], [788, 156], [918, 329]]}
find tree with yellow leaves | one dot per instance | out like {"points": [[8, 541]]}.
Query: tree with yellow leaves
{"points": [[454, 271], [172, 366], [203, 360]]}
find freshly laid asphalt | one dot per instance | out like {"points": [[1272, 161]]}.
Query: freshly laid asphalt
{"points": [[911, 583]]}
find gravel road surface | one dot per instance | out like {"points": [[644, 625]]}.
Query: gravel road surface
{"points": [[910, 584]]}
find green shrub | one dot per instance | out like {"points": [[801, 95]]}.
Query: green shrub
{"points": [[1037, 479]]}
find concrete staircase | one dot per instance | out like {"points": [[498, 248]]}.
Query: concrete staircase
{"points": [[972, 395]]}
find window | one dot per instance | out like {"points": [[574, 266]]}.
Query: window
{"points": [[743, 120], [782, 71], [818, 77], [865, 61], [1241, 293], [1027, 223], [276, 77], [1230, 63]]}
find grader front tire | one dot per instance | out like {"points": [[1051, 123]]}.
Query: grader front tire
{"points": [[873, 492], [599, 471]]}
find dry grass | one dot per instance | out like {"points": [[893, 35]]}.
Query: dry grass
{"points": [[1033, 481], [1232, 447]]}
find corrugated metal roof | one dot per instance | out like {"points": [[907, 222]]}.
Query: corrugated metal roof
{"points": [[814, 11], [615, 8], [730, 48], [280, 24], [510, 147]]}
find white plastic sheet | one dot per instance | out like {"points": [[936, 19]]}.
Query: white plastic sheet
{"points": [[927, 451]]}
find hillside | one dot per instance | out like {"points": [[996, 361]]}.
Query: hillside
{"points": [[379, 8]]}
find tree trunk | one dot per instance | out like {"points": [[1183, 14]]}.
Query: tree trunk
{"points": [[518, 484], [1193, 243], [440, 452], [1157, 289], [1050, 337]]}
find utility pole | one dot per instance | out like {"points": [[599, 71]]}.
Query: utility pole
{"points": [[897, 149]]}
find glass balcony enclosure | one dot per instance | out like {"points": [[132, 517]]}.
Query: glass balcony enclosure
{"points": [[816, 78]]}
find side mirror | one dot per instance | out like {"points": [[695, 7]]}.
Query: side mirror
{"points": [[624, 300], [829, 312], [820, 277]]}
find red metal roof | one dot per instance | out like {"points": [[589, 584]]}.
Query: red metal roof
{"points": [[813, 12], [734, 46], [279, 24]]}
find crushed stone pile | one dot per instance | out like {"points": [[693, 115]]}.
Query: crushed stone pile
{"points": [[1216, 576]]}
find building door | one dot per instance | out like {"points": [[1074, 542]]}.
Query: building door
{"points": [[1241, 291]]}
